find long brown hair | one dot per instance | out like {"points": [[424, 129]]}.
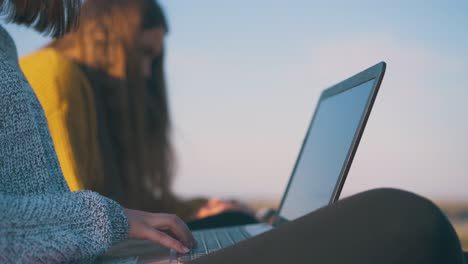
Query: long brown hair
{"points": [[52, 17], [133, 113]]}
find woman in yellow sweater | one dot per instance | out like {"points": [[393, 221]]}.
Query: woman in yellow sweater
{"points": [[104, 96]]}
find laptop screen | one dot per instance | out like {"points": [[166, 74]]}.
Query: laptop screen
{"points": [[324, 152]]}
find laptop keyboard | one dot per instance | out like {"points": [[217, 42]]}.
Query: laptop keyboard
{"points": [[212, 240]]}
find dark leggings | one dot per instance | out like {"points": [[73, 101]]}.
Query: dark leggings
{"points": [[379, 226]]}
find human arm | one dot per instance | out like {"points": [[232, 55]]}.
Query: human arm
{"points": [[198, 208], [59, 227], [69, 227], [216, 206]]}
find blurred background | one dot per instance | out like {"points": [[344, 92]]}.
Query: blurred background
{"points": [[244, 78]]}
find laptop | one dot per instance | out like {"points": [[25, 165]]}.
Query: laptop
{"points": [[319, 172]]}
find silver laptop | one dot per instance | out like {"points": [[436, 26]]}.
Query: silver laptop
{"points": [[320, 170]]}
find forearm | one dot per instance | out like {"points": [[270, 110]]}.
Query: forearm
{"points": [[188, 208], [58, 227]]}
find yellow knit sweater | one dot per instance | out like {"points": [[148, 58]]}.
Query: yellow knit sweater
{"points": [[68, 102]]}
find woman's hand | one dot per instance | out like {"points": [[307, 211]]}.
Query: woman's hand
{"points": [[165, 229], [216, 206]]}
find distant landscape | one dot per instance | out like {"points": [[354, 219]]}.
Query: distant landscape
{"points": [[458, 215], [457, 212]]}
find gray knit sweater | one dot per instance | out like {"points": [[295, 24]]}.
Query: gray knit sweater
{"points": [[41, 221]]}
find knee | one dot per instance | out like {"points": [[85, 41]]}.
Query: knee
{"points": [[418, 219], [403, 204]]}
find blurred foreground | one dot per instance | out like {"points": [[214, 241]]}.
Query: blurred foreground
{"points": [[457, 212]]}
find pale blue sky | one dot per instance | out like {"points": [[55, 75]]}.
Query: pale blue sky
{"points": [[244, 77]]}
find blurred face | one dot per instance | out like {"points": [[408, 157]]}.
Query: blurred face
{"points": [[152, 41]]}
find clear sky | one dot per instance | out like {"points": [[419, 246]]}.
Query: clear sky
{"points": [[244, 77]]}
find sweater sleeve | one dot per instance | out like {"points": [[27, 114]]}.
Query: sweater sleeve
{"points": [[57, 228]]}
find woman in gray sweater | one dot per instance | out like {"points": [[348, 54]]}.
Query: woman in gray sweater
{"points": [[41, 221]]}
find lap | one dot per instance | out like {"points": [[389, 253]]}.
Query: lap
{"points": [[379, 226]]}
